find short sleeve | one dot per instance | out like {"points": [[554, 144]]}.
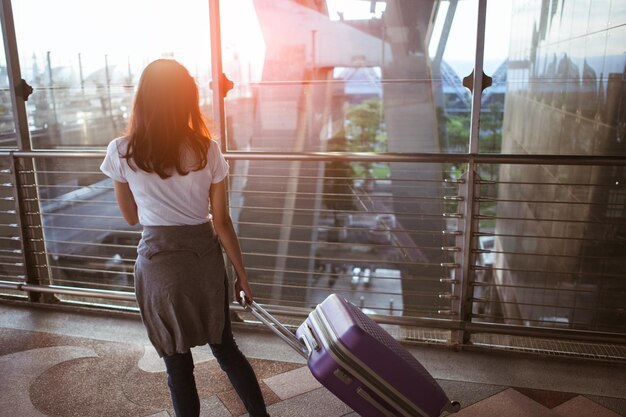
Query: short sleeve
{"points": [[219, 166], [112, 164]]}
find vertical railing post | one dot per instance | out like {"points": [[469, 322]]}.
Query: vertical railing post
{"points": [[16, 84], [466, 240], [464, 290], [24, 177], [29, 222], [218, 86]]}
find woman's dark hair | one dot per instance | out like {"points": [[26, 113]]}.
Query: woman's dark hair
{"points": [[167, 131]]}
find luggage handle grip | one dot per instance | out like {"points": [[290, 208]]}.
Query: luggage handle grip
{"points": [[276, 326], [309, 339]]}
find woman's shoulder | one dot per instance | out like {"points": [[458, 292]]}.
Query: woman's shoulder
{"points": [[214, 147], [118, 145]]}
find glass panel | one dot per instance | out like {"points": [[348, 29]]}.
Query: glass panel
{"points": [[553, 242], [84, 70], [348, 76], [87, 243], [7, 122], [564, 83], [368, 231], [495, 64], [383, 75]]}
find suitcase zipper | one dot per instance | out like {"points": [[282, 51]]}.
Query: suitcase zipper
{"points": [[364, 373]]}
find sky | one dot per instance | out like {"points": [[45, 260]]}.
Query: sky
{"points": [[76, 26], [459, 53]]}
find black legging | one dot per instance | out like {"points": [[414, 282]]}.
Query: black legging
{"points": [[182, 383]]}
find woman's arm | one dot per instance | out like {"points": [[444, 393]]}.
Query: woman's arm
{"points": [[224, 228], [126, 202]]}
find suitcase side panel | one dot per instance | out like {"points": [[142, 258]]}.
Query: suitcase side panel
{"points": [[341, 382], [384, 355]]}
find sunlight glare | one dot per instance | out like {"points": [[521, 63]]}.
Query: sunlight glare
{"points": [[243, 45]]}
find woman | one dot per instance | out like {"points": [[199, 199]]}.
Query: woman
{"points": [[167, 172]]}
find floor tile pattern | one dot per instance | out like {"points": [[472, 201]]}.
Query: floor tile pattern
{"points": [[47, 374]]}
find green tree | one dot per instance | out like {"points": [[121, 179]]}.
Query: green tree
{"points": [[338, 178], [366, 131], [458, 129], [491, 129], [365, 123]]}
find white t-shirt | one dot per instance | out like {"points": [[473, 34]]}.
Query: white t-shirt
{"points": [[177, 200]]}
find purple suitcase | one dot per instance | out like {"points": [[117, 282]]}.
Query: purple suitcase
{"points": [[362, 364]]}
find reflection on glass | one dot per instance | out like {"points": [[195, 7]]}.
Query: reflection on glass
{"points": [[87, 243], [565, 81], [368, 231], [304, 74], [348, 76], [556, 232], [495, 65], [7, 123], [84, 62], [557, 246]]}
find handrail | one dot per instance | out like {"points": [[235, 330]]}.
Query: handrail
{"points": [[525, 159]]}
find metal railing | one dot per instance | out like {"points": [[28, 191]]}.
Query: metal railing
{"points": [[544, 250], [555, 248], [12, 264]]}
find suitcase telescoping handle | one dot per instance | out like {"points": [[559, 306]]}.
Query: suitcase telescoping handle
{"points": [[301, 345]]}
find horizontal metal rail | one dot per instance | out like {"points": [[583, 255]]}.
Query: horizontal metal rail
{"points": [[365, 157], [304, 196], [553, 184], [89, 229], [59, 289], [445, 181], [549, 255], [575, 290], [582, 239], [350, 290], [517, 201], [313, 210], [552, 272], [87, 257], [305, 227], [551, 306], [536, 331], [342, 244], [352, 260], [80, 215]]}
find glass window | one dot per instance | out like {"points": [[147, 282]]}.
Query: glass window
{"points": [[348, 76], [563, 87], [495, 65], [383, 75], [7, 123], [84, 61], [557, 247], [556, 230], [87, 243]]}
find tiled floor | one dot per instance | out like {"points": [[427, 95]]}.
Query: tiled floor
{"points": [[55, 363]]}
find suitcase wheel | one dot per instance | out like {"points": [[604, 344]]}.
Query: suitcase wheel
{"points": [[451, 407]]}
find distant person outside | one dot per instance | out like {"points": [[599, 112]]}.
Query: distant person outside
{"points": [[167, 173]]}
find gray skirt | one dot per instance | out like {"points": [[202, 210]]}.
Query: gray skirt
{"points": [[180, 286]]}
